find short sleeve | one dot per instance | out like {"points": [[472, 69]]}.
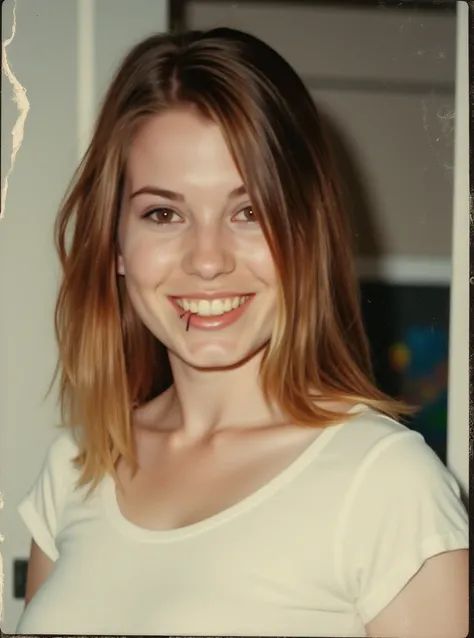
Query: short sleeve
{"points": [[404, 508], [41, 508]]}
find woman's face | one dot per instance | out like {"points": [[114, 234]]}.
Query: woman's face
{"points": [[189, 243]]}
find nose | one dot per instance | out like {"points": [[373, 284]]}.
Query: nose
{"points": [[209, 253]]}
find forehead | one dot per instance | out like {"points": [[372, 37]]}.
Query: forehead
{"points": [[181, 146]]}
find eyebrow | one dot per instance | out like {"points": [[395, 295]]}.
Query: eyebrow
{"points": [[178, 197]]}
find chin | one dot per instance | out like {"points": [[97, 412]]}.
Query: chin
{"points": [[213, 357]]}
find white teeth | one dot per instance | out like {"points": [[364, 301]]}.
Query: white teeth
{"points": [[203, 308], [217, 307], [207, 308]]}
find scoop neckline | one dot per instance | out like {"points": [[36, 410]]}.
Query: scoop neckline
{"points": [[272, 486]]}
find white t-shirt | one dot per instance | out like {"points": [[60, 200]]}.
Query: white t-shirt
{"points": [[320, 550]]}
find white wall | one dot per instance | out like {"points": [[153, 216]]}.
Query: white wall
{"points": [[63, 53]]}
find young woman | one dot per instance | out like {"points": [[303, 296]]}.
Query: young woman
{"points": [[227, 465]]}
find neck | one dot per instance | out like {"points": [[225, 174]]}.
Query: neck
{"points": [[206, 401]]}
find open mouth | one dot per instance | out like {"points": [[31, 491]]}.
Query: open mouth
{"points": [[211, 308], [211, 314]]}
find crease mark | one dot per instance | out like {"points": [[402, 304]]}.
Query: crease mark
{"points": [[23, 105]]}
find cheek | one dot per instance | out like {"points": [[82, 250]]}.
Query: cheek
{"points": [[260, 262], [147, 262]]}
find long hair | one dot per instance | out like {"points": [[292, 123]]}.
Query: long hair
{"points": [[108, 360]]}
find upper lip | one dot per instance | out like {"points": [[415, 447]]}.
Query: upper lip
{"points": [[224, 294]]}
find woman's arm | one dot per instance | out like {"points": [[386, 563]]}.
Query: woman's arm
{"points": [[39, 568], [434, 604]]}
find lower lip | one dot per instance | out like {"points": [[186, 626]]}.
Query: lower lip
{"points": [[216, 322]]}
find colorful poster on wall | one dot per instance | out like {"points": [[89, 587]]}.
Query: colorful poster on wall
{"points": [[408, 329]]}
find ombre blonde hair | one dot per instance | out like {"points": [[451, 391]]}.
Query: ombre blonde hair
{"points": [[108, 360]]}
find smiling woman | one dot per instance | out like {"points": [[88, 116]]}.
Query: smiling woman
{"points": [[183, 243], [216, 389]]}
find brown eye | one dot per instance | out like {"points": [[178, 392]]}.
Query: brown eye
{"points": [[162, 216], [245, 215]]}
